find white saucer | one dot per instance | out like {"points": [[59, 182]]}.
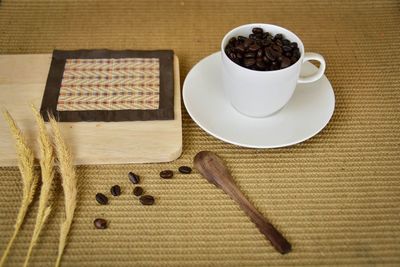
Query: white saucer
{"points": [[307, 113]]}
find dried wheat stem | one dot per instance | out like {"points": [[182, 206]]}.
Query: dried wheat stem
{"points": [[46, 164], [69, 183], [26, 166]]}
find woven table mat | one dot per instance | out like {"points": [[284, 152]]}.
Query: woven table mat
{"points": [[336, 197]]}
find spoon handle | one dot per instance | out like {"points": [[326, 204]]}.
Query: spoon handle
{"points": [[215, 171], [266, 228]]}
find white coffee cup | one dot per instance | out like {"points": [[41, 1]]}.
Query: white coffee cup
{"points": [[261, 93]]}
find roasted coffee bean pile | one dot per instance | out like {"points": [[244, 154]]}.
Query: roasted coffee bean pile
{"points": [[262, 51], [138, 191]]}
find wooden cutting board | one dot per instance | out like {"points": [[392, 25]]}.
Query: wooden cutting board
{"points": [[22, 82]]}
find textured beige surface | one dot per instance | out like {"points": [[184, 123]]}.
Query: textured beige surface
{"points": [[336, 196]]}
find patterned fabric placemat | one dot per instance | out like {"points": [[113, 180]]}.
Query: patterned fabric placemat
{"points": [[106, 85]]}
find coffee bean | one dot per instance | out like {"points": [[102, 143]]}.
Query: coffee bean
{"points": [[248, 62], [265, 35], [185, 169], [239, 48], [247, 43], [266, 42], [270, 55], [274, 65], [101, 199], [100, 223], [278, 36], [260, 53], [249, 55], [115, 190], [134, 178], [261, 65], [138, 191], [257, 30], [286, 48], [167, 174], [277, 48], [293, 45], [253, 37], [232, 40], [232, 55], [254, 48], [147, 200], [278, 42], [239, 55], [241, 38], [285, 62], [285, 41]]}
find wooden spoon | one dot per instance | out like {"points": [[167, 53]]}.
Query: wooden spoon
{"points": [[215, 171]]}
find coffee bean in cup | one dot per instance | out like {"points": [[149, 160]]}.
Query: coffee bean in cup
{"points": [[262, 51]]}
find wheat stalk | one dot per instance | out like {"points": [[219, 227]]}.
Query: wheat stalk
{"points": [[26, 166], [67, 171], [46, 165]]}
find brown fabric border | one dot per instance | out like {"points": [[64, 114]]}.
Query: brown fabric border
{"points": [[54, 79]]}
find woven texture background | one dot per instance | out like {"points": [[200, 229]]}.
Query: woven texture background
{"points": [[336, 197]]}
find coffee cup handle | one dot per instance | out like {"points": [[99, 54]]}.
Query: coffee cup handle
{"points": [[313, 77]]}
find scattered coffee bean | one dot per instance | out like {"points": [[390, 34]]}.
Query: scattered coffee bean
{"points": [[101, 198], [138, 191], [115, 190], [134, 178], [246, 51], [100, 223], [167, 174], [147, 200], [185, 169]]}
